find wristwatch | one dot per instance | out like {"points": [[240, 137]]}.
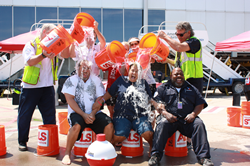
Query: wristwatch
{"points": [[44, 56]]}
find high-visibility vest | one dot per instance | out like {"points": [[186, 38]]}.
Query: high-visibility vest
{"points": [[191, 64], [31, 73]]}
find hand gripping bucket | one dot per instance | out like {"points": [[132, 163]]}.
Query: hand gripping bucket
{"points": [[176, 145], [159, 50], [63, 123], [81, 146], [57, 40], [48, 144], [2, 141], [234, 116], [132, 146], [101, 152], [245, 111]]}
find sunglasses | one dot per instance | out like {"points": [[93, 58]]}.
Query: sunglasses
{"points": [[180, 34], [133, 44]]}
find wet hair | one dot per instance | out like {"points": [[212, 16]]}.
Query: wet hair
{"points": [[79, 63], [47, 28], [185, 25], [126, 44]]}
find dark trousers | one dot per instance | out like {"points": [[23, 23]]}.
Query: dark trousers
{"points": [[44, 98], [195, 130], [197, 82]]}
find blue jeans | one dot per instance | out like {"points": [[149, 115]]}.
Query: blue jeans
{"points": [[123, 126], [44, 98]]}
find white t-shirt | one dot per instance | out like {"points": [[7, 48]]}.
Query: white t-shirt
{"points": [[90, 56], [85, 93], [45, 77]]}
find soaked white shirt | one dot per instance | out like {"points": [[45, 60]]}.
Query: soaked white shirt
{"points": [[83, 51], [85, 93], [46, 77]]}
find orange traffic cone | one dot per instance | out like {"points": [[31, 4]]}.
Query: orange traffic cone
{"points": [[132, 146]]}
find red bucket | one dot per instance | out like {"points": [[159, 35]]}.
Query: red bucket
{"points": [[81, 146], [2, 141], [48, 143], [57, 40], [76, 32], [234, 116], [176, 145], [85, 19], [63, 123], [103, 60], [159, 50], [132, 146]]}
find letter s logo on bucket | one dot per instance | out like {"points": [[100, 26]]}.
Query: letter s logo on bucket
{"points": [[43, 138], [85, 140], [246, 120], [133, 140]]}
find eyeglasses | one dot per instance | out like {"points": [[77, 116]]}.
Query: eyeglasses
{"points": [[180, 34], [133, 44]]}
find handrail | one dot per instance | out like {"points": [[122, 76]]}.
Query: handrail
{"points": [[144, 27], [54, 21]]}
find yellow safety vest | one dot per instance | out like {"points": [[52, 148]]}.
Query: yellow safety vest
{"points": [[191, 64], [31, 73]]}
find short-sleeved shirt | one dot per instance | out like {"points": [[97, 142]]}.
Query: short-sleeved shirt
{"points": [[90, 56], [132, 98], [45, 77], [188, 95], [113, 74], [194, 45], [85, 93]]}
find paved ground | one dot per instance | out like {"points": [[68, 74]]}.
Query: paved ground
{"points": [[229, 145]]}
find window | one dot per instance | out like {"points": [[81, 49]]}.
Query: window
{"points": [[46, 13], [113, 24], [68, 13], [132, 22], [5, 22], [24, 18], [155, 17]]}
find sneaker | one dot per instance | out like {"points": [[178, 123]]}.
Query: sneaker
{"points": [[205, 162], [23, 146], [189, 145], [154, 160]]}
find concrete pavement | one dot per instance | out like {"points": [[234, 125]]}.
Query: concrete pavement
{"points": [[229, 145]]}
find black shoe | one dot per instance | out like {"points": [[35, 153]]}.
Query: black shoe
{"points": [[205, 162], [189, 145], [154, 160], [23, 146]]}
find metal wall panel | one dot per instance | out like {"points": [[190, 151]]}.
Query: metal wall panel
{"points": [[234, 24], [196, 5], [235, 5], [156, 4], [176, 5], [215, 5], [24, 2], [6, 2]]}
